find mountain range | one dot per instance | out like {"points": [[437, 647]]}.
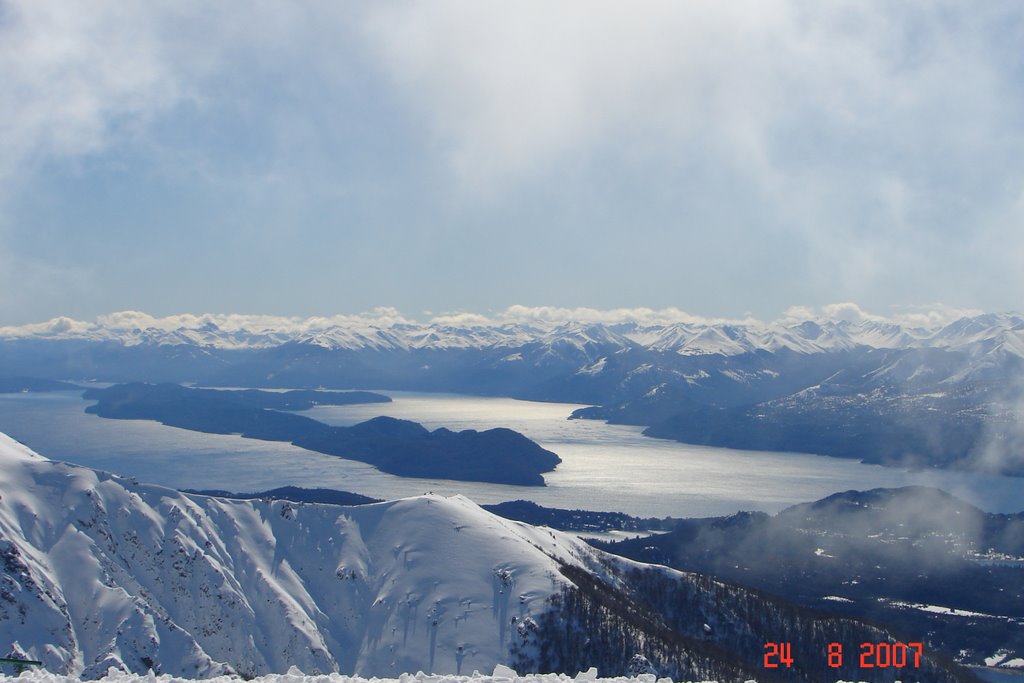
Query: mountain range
{"points": [[945, 395], [979, 334], [915, 558]]}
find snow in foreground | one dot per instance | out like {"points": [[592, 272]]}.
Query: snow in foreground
{"points": [[501, 675]]}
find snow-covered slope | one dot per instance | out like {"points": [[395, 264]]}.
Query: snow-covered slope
{"points": [[100, 571], [295, 675]]}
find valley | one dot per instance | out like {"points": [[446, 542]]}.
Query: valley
{"points": [[742, 420], [102, 572], [945, 396]]}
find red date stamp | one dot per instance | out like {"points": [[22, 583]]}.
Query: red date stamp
{"points": [[869, 656]]}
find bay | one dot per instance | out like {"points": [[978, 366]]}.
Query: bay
{"points": [[604, 467]]}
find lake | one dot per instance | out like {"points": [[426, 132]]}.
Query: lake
{"points": [[604, 467]]}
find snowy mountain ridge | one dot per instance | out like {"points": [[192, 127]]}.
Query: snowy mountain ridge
{"points": [[922, 391], [501, 674], [985, 333], [294, 675], [101, 571]]}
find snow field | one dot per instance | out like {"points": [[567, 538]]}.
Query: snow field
{"points": [[501, 675], [295, 676]]}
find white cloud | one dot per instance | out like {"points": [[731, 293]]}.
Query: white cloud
{"points": [[127, 321], [76, 77], [74, 74], [644, 316], [929, 316], [510, 88], [847, 312], [56, 327], [873, 135], [382, 316], [462, 320], [850, 125], [798, 314]]}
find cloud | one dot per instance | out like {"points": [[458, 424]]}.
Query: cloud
{"points": [[508, 89], [462, 320], [382, 316], [798, 313], [857, 143], [511, 87], [642, 315], [929, 316], [77, 75], [544, 316], [129, 321], [932, 317], [91, 87], [869, 136], [847, 312], [56, 327], [76, 78]]}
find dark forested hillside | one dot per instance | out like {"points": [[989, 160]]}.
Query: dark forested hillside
{"points": [[697, 628], [929, 566]]}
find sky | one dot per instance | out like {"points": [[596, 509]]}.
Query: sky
{"points": [[321, 158]]}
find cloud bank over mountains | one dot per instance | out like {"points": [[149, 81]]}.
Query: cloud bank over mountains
{"points": [[540, 317], [720, 157]]}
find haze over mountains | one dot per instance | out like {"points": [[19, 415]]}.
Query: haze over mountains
{"points": [[914, 558], [888, 392]]}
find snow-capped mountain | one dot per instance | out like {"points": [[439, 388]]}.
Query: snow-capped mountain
{"points": [[864, 380], [519, 359], [501, 674], [100, 571], [405, 354], [981, 333]]}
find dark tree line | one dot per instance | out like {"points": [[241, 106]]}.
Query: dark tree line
{"points": [[694, 627]]}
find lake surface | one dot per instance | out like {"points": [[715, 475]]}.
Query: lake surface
{"points": [[604, 467]]}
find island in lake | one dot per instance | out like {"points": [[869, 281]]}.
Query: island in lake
{"points": [[401, 447]]}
